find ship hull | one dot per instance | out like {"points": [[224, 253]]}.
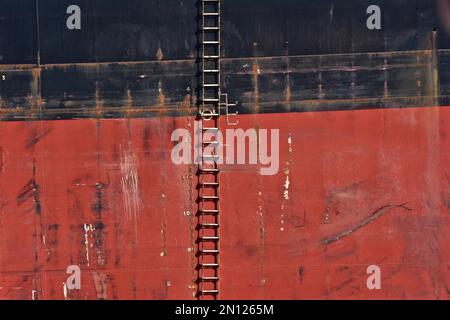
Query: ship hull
{"points": [[93, 204], [354, 189]]}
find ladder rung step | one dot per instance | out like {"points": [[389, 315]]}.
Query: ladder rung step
{"points": [[211, 71], [210, 85], [213, 225], [210, 251], [210, 42], [210, 291], [209, 198], [210, 142], [210, 28], [214, 184], [211, 100], [212, 265], [211, 57], [210, 13], [209, 211], [209, 238], [209, 170], [210, 278], [208, 129]]}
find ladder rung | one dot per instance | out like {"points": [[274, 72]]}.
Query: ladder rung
{"points": [[210, 291], [210, 142], [210, 251], [209, 170], [210, 225], [210, 129], [210, 265], [211, 57], [209, 238], [211, 100], [209, 197], [210, 85], [211, 71], [210, 28], [209, 184], [210, 13], [210, 42], [210, 211], [210, 278]]}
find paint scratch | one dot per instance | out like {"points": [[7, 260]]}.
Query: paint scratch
{"points": [[130, 186], [377, 214]]}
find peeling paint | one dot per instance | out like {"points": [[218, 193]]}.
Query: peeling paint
{"points": [[88, 228], [286, 186]]}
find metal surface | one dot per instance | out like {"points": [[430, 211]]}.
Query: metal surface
{"points": [[86, 176]]}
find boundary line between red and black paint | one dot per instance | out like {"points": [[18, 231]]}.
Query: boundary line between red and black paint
{"points": [[267, 108]]}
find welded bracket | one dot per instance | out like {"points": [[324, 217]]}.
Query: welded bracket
{"points": [[225, 105]]}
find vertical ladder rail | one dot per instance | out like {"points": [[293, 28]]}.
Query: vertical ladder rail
{"points": [[209, 113]]}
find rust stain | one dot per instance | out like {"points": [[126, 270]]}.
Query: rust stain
{"points": [[129, 104], [98, 102], [36, 91], [185, 105], [288, 91], [159, 54], [256, 72], [161, 98]]}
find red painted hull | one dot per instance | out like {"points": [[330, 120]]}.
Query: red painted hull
{"points": [[365, 187]]}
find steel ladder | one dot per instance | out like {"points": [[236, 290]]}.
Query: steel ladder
{"points": [[208, 174]]}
